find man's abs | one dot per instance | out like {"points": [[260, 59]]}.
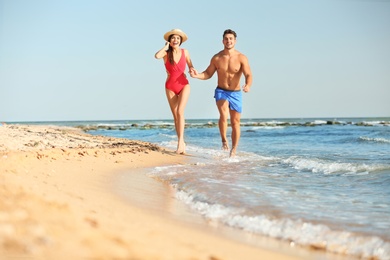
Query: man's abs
{"points": [[227, 83]]}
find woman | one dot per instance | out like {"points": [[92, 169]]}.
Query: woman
{"points": [[177, 87]]}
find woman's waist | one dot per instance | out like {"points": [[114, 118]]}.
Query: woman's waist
{"points": [[176, 75]]}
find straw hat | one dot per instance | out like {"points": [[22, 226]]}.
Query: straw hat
{"points": [[177, 32]]}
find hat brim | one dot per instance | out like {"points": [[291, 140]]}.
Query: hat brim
{"points": [[177, 32]]}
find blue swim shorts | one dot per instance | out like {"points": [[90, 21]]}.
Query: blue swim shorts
{"points": [[233, 97]]}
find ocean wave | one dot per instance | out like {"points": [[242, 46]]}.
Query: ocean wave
{"points": [[295, 231], [376, 140], [265, 127], [321, 166], [152, 124]]}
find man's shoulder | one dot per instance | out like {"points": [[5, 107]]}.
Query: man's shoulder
{"points": [[240, 53], [218, 54], [242, 56]]}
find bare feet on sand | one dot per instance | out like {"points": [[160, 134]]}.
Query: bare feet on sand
{"points": [[181, 148]]}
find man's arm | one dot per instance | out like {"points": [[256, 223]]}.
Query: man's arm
{"points": [[208, 73], [246, 70]]}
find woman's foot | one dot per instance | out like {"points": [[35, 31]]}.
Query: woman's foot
{"points": [[225, 146], [181, 148]]}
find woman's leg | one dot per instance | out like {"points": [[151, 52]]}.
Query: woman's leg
{"points": [[177, 105], [182, 103], [173, 101]]}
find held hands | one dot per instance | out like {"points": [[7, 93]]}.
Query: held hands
{"points": [[193, 72]]}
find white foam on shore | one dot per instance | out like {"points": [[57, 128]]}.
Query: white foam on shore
{"points": [[322, 166], [295, 231]]}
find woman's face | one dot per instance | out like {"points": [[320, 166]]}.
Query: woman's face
{"points": [[175, 40]]}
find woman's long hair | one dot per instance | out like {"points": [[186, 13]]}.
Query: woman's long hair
{"points": [[170, 49]]}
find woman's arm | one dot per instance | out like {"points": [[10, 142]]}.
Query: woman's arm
{"points": [[161, 53], [188, 60]]}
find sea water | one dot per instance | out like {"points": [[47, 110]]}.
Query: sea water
{"points": [[323, 183]]}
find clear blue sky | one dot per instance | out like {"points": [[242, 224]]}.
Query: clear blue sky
{"points": [[94, 59]]}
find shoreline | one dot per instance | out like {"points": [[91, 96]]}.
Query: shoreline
{"points": [[169, 207], [56, 202]]}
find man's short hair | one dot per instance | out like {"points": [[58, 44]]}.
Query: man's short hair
{"points": [[229, 31]]}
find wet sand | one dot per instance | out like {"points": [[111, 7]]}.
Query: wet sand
{"points": [[63, 196]]}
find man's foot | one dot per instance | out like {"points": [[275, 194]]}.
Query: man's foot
{"points": [[233, 152], [181, 148], [225, 146]]}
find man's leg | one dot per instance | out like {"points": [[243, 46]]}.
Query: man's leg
{"points": [[235, 119], [223, 108]]}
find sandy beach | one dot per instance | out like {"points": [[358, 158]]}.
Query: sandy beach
{"points": [[57, 202]]}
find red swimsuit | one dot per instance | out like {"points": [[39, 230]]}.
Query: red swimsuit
{"points": [[176, 80]]}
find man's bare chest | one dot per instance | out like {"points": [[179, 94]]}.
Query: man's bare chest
{"points": [[231, 65]]}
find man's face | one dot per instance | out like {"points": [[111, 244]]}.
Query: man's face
{"points": [[229, 41]]}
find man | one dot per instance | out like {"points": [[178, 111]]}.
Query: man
{"points": [[230, 65]]}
